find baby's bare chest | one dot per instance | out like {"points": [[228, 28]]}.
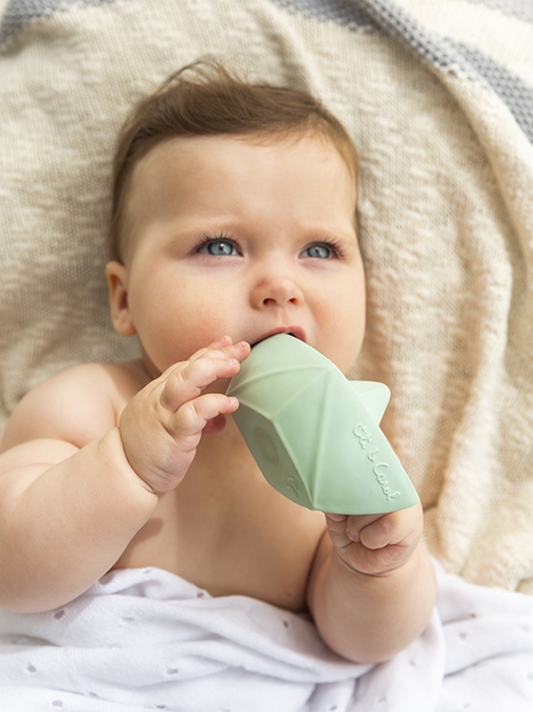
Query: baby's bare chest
{"points": [[262, 547], [228, 532]]}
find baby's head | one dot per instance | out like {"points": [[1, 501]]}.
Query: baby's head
{"points": [[204, 99], [234, 213]]}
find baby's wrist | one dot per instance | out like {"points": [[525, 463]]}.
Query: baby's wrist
{"points": [[115, 441]]}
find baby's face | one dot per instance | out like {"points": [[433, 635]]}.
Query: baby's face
{"points": [[228, 236]]}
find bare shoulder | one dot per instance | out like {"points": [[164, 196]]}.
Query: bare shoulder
{"points": [[77, 405]]}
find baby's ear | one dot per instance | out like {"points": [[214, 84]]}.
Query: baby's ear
{"points": [[117, 280]]}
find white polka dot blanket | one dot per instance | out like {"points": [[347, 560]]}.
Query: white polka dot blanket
{"points": [[147, 640]]}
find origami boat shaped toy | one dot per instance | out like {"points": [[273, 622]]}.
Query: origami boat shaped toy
{"points": [[315, 435]]}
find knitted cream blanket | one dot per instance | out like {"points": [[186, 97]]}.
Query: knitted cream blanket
{"points": [[439, 98]]}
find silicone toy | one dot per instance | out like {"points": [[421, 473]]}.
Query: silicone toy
{"points": [[314, 434]]}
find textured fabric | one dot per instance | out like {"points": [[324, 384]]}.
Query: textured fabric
{"points": [[19, 13], [343, 12], [521, 8], [438, 98], [447, 53], [145, 639]]}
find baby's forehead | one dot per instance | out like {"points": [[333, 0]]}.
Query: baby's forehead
{"points": [[207, 172], [155, 158]]}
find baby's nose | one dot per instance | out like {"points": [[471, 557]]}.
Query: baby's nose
{"points": [[276, 290]]}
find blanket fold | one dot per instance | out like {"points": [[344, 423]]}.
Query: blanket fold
{"points": [[148, 639]]}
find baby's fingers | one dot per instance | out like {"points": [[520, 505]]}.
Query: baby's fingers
{"points": [[186, 382], [219, 345], [376, 544], [223, 348], [397, 528], [190, 419]]}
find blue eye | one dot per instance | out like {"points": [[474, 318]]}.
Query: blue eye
{"points": [[319, 250], [218, 247]]}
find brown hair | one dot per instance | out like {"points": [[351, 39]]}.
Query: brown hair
{"points": [[204, 99]]}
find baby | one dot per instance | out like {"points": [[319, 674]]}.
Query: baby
{"points": [[233, 220]]}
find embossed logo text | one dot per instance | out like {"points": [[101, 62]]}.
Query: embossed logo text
{"points": [[380, 468]]}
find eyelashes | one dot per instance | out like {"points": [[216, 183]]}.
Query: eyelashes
{"points": [[222, 245], [316, 249]]}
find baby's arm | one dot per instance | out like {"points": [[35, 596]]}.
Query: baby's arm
{"points": [[372, 587], [69, 509]]}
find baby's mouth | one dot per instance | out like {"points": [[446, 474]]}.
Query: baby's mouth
{"points": [[295, 331]]}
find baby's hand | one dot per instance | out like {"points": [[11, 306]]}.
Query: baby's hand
{"points": [[376, 544], [162, 425]]}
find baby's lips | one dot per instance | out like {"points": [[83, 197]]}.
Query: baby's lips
{"points": [[293, 330]]}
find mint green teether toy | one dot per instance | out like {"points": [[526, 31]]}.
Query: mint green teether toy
{"points": [[314, 434]]}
